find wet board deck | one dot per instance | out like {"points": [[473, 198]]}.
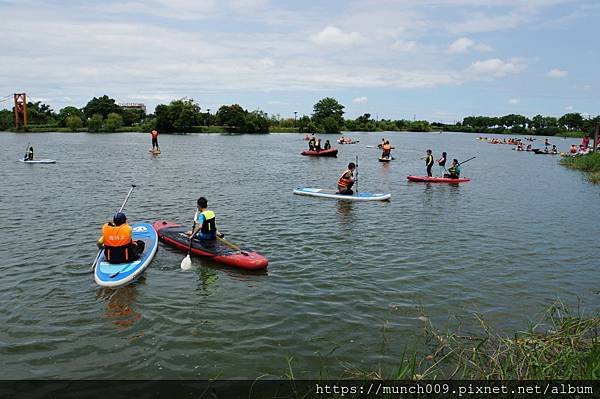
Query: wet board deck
{"points": [[324, 193]]}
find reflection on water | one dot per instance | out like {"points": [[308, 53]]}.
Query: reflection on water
{"points": [[120, 304], [344, 211]]}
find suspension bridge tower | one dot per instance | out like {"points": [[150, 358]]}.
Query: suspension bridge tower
{"points": [[20, 110]]}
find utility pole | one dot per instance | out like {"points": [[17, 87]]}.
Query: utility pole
{"points": [[20, 110], [295, 113], [596, 134]]}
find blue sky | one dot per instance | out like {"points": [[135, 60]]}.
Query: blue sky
{"points": [[439, 60]]}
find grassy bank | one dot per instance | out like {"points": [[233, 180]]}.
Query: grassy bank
{"points": [[562, 346], [590, 164]]}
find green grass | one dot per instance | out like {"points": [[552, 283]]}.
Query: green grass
{"points": [[590, 164]]}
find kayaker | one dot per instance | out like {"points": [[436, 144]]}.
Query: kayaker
{"points": [[154, 134], [29, 155], [117, 241], [546, 142], [327, 145], [442, 163], [387, 150], [311, 144], [453, 170], [206, 227], [428, 162], [528, 147], [342, 140], [318, 144], [554, 149], [346, 180]]}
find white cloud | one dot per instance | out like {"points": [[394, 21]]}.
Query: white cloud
{"points": [[360, 100], [569, 108], [407, 46], [460, 45], [557, 73], [514, 101], [332, 35], [494, 67], [463, 44]]}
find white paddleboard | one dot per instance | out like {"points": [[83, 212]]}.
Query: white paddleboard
{"points": [[324, 193], [39, 161]]}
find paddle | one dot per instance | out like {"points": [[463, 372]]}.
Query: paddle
{"points": [[233, 246], [460, 163], [356, 178], [120, 210], [186, 263]]}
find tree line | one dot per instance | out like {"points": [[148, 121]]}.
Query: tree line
{"points": [[103, 114]]}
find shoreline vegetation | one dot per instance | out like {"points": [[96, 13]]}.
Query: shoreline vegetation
{"points": [[562, 345], [103, 114], [589, 164]]}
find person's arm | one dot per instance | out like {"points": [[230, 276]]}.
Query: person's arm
{"points": [[199, 222]]}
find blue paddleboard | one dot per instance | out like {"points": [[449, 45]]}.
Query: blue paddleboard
{"points": [[119, 274], [323, 193]]}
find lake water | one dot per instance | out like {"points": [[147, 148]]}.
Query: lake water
{"points": [[346, 283]]}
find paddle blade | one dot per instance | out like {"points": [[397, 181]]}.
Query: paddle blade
{"points": [[186, 263]]}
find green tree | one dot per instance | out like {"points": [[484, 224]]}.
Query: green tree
{"points": [[306, 125], [233, 117], [572, 121], [331, 124], [101, 105], [113, 122], [132, 116], [66, 112], [7, 119], [73, 122], [257, 122], [95, 123], [328, 108], [39, 113], [178, 116]]}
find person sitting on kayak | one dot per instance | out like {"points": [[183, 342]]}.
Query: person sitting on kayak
{"points": [[442, 161], [453, 170], [28, 155], [528, 147], [327, 145], [554, 149], [154, 134], [311, 144], [342, 140], [119, 246], [318, 144], [206, 227], [387, 150], [346, 180], [428, 162]]}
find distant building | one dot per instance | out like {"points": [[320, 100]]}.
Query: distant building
{"points": [[133, 106]]}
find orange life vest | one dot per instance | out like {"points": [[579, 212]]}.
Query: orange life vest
{"points": [[345, 181], [117, 242]]}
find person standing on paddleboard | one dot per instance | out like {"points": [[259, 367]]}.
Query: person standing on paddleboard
{"points": [[442, 163], [155, 146], [205, 222], [387, 150], [119, 246], [346, 180], [428, 162]]}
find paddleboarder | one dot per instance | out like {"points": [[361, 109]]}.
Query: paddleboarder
{"points": [[442, 163], [387, 150], [453, 170], [29, 155], [155, 146], [346, 180], [428, 162], [119, 246], [205, 228]]}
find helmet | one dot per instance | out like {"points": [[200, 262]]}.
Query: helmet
{"points": [[119, 218]]}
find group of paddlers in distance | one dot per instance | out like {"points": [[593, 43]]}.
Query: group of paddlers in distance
{"points": [[314, 144]]}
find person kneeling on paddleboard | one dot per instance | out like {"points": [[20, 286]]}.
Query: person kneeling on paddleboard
{"points": [[206, 227], [346, 180], [119, 247], [29, 155], [453, 170]]}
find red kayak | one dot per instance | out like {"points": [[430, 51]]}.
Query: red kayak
{"points": [[427, 179], [323, 153], [219, 250]]}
